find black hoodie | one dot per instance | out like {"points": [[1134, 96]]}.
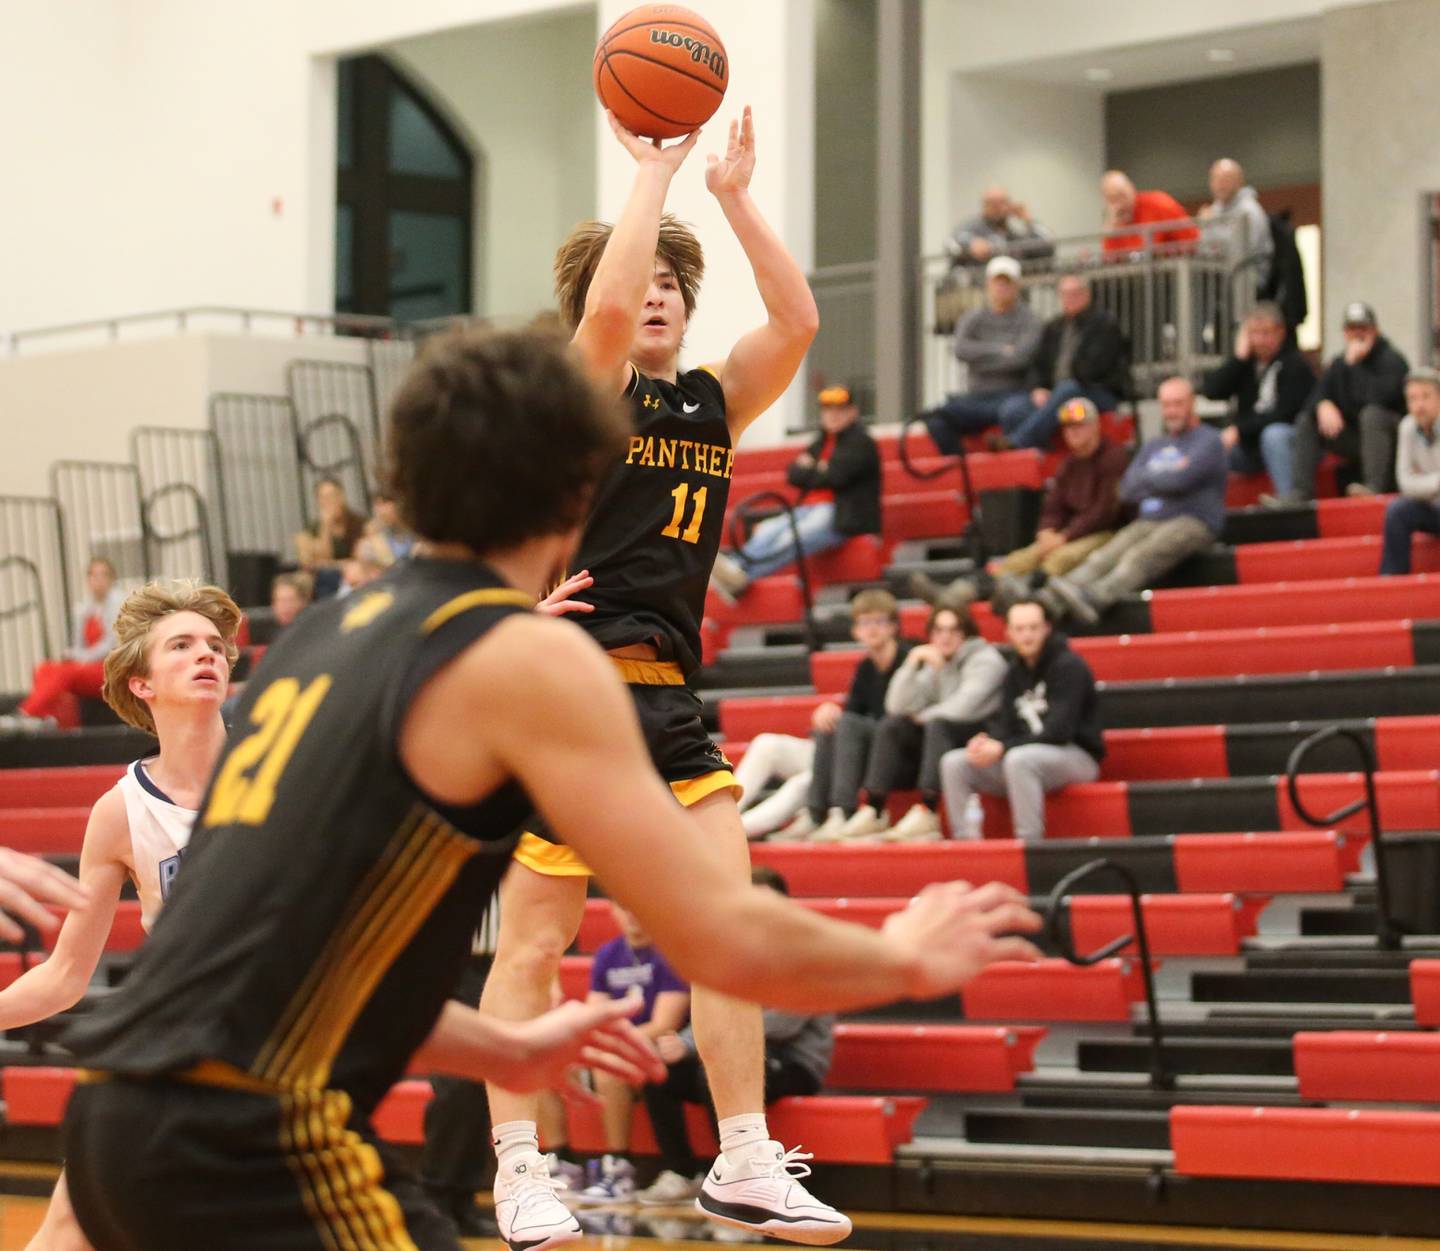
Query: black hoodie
{"points": [[1055, 702]]}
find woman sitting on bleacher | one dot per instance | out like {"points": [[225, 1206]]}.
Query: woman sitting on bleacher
{"points": [[58, 685]]}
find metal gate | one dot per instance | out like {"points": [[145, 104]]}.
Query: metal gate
{"points": [[101, 504], [33, 616], [263, 502], [183, 502]]}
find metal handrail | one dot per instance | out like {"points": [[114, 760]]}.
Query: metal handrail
{"points": [[1387, 934], [974, 534], [200, 530], [745, 512], [37, 585], [1060, 938], [355, 459]]}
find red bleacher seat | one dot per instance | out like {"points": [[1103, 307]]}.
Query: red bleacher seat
{"points": [[1425, 991], [1307, 1144], [1313, 860], [58, 787], [574, 976], [932, 1058], [36, 1095], [44, 831], [775, 714], [1177, 925], [1169, 752], [1086, 810], [1409, 799], [1314, 602], [898, 870], [1345, 516], [400, 1116], [1343, 1064], [1307, 559], [1055, 990], [924, 515], [767, 600], [861, 559], [1406, 742]]}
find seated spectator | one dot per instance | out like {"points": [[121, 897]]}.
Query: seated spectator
{"points": [[323, 547], [1080, 513], [630, 965], [1417, 466], [995, 344], [290, 595], [1270, 382], [389, 539], [798, 1051], [1234, 222], [58, 685], [1177, 482], [937, 700], [841, 737], [1045, 736], [1124, 206], [1001, 228], [364, 565], [839, 480], [1353, 412], [1081, 353], [782, 758]]}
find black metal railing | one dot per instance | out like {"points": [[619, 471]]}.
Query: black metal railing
{"points": [[767, 504], [322, 389], [31, 535], [974, 534], [1387, 933], [1058, 936], [331, 447], [258, 447], [24, 624], [162, 537], [183, 499], [104, 517]]}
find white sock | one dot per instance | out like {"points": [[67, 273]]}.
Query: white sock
{"points": [[511, 1137], [739, 1132]]}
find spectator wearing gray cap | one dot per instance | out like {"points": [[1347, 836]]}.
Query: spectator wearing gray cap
{"points": [[1417, 468], [996, 344], [1354, 412]]}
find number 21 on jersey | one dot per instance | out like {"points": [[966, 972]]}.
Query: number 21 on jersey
{"points": [[692, 531], [244, 791]]}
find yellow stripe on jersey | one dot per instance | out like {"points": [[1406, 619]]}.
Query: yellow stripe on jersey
{"points": [[474, 599], [648, 672]]}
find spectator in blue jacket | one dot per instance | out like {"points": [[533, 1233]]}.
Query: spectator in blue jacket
{"points": [[1177, 484]]}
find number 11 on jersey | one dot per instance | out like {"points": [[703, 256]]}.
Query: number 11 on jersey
{"points": [[692, 531]]}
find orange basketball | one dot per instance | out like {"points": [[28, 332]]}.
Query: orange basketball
{"points": [[662, 70]]}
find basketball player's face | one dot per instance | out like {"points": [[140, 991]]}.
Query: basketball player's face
{"points": [[662, 322], [187, 663]]}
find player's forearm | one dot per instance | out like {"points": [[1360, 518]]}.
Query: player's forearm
{"points": [[778, 277], [465, 1043], [45, 990], [623, 275]]}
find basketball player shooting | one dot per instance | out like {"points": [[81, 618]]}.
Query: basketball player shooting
{"points": [[358, 822], [649, 546]]}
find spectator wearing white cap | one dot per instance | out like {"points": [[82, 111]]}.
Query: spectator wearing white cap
{"points": [[996, 344], [1417, 467]]}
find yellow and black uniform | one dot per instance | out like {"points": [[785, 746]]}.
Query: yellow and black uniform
{"points": [[650, 544], [323, 916]]}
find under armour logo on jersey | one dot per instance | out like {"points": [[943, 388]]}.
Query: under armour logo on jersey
{"points": [[650, 401], [690, 408]]}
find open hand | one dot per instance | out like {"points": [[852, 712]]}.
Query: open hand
{"points": [[558, 602], [27, 885], [650, 151], [732, 171], [1329, 418], [596, 1036], [954, 932], [826, 717]]}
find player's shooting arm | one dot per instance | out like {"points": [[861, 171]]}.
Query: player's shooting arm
{"points": [[761, 365]]}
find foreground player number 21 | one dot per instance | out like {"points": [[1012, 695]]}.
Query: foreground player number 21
{"points": [[692, 531], [245, 790]]}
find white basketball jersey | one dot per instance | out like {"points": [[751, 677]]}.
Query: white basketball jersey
{"points": [[159, 832]]}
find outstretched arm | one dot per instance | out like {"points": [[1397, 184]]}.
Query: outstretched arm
{"points": [[761, 365], [617, 291], [60, 981]]}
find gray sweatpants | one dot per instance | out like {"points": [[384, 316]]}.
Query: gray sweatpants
{"points": [[1024, 774], [1138, 556]]}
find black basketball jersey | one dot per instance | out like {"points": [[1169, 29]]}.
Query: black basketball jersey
{"points": [[658, 518], [326, 907]]}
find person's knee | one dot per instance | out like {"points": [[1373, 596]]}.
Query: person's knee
{"points": [[1376, 417], [1277, 436], [1019, 763]]}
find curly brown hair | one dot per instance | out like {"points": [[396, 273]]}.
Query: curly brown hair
{"points": [[578, 256], [139, 614]]}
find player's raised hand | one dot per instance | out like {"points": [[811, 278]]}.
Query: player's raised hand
{"points": [[955, 931], [732, 171], [648, 151], [558, 602], [596, 1036], [29, 887]]}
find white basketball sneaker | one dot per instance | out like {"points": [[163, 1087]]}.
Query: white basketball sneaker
{"points": [[527, 1206], [762, 1192]]}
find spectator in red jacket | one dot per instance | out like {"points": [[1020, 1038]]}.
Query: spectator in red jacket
{"points": [[1124, 206]]}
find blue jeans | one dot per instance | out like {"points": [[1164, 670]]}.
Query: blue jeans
{"points": [[1025, 425], [772, 545], [1404, 517], [1276, 457], [960, 415]]}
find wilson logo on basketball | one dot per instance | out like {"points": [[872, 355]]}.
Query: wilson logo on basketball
{"points": [[701, 53]]}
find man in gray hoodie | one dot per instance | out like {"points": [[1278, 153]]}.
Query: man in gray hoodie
{"points": [[938, 700], [995, 344], [1177, 483], [1235, 221]]}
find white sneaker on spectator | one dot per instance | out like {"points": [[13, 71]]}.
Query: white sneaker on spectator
{"points": [[800, 830], [614, 1182], [1357, 490], [528, 1209], [728, 578], [831, 828], [919, 825], [669, 1187], [866, 823], [761, 1191], [573, 1175]]}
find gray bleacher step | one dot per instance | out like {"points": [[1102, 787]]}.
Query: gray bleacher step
{"points": [[758, 667], [962, 1151], [1300, 1010]]}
